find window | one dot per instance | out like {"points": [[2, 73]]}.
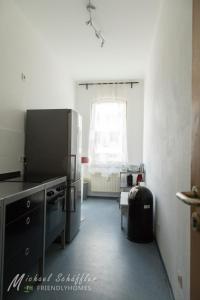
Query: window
{"points": [[108, 135]]}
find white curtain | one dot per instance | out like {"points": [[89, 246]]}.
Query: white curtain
{"points": [[108, 132]]}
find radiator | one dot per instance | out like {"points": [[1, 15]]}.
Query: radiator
{"points": [[109, 184]]}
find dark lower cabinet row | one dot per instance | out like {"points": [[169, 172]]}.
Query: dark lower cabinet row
{"points": [[31, 225]]}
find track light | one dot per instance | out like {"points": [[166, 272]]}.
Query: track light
{"points": [[89, 22], [97, 34], [102, 43], [90, 7]]}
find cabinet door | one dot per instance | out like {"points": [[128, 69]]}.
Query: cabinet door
{"points": [[24, 231], [23, 206], [24, 263]]}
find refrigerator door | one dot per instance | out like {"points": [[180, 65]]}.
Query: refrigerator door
{"points": [[73, 217], [46, 142], [53, 143], [74, 143]]}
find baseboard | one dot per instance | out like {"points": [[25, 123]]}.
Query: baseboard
{"points": [[170, 286], [9, 175], [103, 198], [104, 194]]}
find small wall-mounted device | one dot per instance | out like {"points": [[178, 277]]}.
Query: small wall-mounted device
{"points": [[180, 280], [23, 76]]}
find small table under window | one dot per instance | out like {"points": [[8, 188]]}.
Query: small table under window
{"points": [[123, 206]]}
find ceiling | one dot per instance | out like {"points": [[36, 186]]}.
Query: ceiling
{"points": [[127, 25]]}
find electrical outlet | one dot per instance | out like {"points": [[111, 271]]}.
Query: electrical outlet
{"points": [[180, 280]]}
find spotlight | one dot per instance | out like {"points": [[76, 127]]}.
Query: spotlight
{"points": [[102, 43], [90, 6], [97, 34], [89, 22]]}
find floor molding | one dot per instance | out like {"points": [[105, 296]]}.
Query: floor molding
{"points": [[103, 194], [161, 258]]}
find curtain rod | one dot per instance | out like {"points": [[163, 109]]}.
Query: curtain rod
{"points": [[87, 84]]}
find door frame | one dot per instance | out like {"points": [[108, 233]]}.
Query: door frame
{"points": [[195, 166]]}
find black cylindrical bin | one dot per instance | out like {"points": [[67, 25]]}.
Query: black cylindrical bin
{"points": [[140, 215]]}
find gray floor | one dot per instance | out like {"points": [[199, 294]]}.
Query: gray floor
{"points": [[118, 268]]}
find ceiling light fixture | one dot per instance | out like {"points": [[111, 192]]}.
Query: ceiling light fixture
{"points": [[90, 7]]}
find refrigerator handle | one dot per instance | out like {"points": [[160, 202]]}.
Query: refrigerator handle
{"points": [[72, 199], [73, 163], [65, 203]]}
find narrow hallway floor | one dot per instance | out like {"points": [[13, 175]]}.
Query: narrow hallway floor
{"points": [[111, 267]]}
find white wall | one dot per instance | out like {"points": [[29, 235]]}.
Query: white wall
{"points": [[167, 131], [47, 85], [135, 107]]}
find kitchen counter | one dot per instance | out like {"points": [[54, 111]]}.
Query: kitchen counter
{"points": [[16, 188]]}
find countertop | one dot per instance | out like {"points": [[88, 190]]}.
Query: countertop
{"points": [[16, 189]]}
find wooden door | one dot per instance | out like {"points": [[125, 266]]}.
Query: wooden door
{"points": [[195, 180]]}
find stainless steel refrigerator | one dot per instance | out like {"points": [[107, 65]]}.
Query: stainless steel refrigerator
{"points": [[53, 148]]}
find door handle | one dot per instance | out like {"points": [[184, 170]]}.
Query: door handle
{"points": [[64, 204], [72, 199], [191, 198], [72, 156]]}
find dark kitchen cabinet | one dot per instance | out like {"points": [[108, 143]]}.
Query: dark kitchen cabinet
{"points": [[32, 216], [24, 237]]}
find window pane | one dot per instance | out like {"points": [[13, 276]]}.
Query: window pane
{"points": [[108, 133]]}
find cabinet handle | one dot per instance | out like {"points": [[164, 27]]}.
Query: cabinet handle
{"points": [[28, 204], [28, 221], [27, 251]]}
